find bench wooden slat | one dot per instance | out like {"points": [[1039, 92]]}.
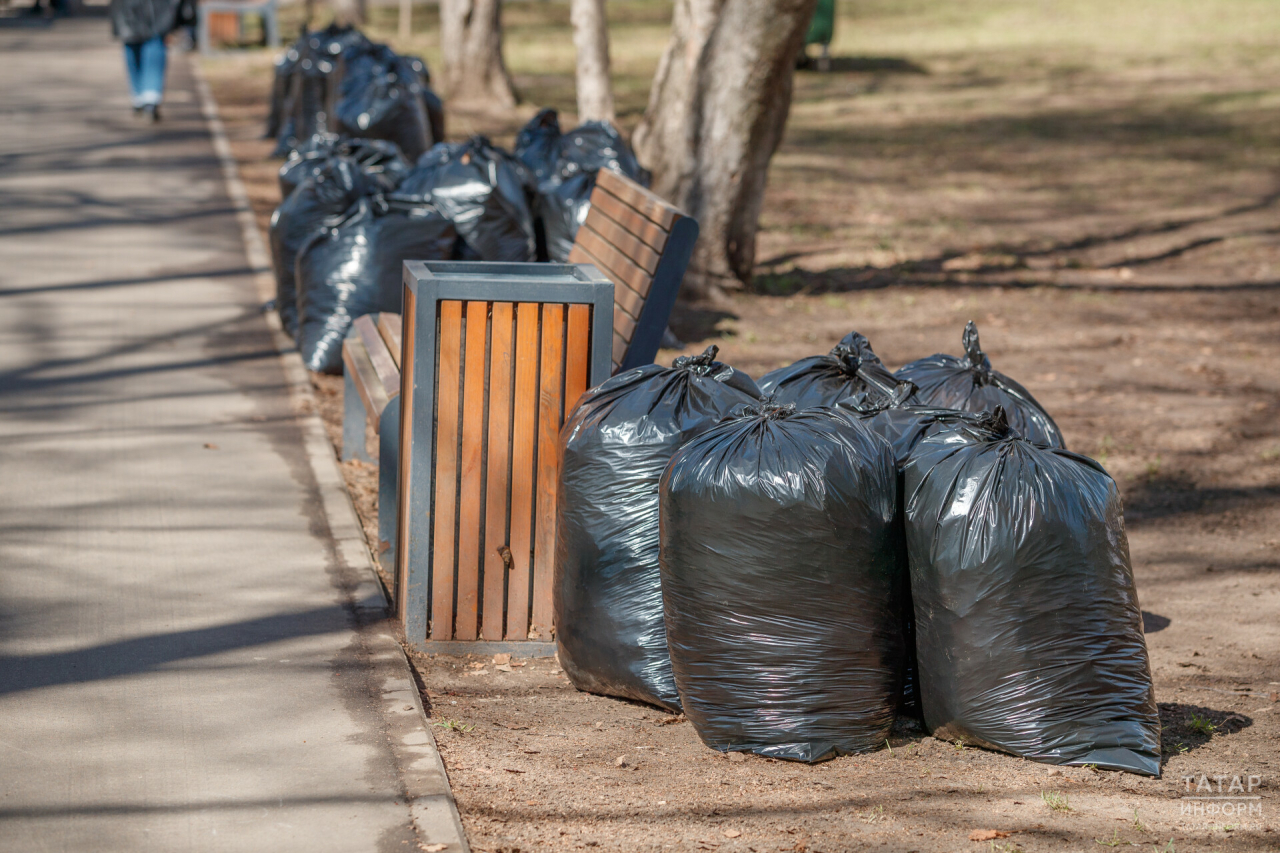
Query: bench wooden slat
{"points": [[611, 262], [446, 486], [619, 350], [466, 622], [382, 358], [637, 197], [359, 365], [605, 203], [623, 325], [389, 326], [628, 300], [495, 520], [577, 355], [624, 241], [522, 475], [550, 411]]}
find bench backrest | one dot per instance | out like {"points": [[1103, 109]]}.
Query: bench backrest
{"points": [[643, 245]]}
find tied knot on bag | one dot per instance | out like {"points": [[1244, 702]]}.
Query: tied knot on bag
{"points": [[770, 410], [868, 404], [997, 423], [975, 359], [848, 358], [699, 364]]}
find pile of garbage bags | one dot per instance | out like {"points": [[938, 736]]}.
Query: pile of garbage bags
{"points": [[564, 166], [796, 564]]}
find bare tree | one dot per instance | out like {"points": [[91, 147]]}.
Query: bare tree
{"points": [[716, 114], [591, 38], [474, 73]]}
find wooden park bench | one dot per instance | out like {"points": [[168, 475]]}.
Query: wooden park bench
{"points": [[642, 245]]}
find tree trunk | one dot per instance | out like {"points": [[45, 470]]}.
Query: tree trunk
{"points": [[349, 13], [591, 38], [716, 114], [471, 47]]}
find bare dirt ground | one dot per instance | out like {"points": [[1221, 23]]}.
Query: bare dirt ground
{"points": [[1097, 187]]}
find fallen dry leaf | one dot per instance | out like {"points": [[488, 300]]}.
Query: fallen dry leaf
{"points": [[503, 667], [620, 761], [737, 756], [512, 770], [211, 447], [987, 835], [434, 848], [502, 658], [732, 833]]}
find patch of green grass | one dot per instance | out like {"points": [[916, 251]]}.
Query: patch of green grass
{"points": [[875, 815], [958, 744], [453, 726], [1056, 801], [1201, 725], [1113, 841], [1137, 822]]}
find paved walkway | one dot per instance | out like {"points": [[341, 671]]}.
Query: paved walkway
{"points": [[180, 664]]}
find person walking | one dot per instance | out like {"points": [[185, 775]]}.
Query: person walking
{"points": [[142, 25]]}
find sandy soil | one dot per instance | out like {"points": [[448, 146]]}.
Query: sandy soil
{"points": [[1109, 222]]}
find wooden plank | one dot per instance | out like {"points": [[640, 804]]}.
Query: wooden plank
{"points": [[380, 355], [604, 203], [496, 548], [611, 262], [628, 300], [403, 484], [619, 348], [466, 622], [355, 358], [638, 197], [389, 326], [449, 370], [623, 325], [577, 355], [550, 413], [621, 239], [525, 403]]}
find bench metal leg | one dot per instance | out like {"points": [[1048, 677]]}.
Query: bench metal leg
{"points": [[388, 484], [354, 419]]}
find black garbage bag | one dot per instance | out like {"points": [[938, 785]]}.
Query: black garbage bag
{"points": [[310, 84], [483, 191], [608, 590], [378, 160], [564, 197], [970, 384], [536, 143], [353, 267], [1028, 630], [780, 583], [850, 370], [379, 96], [278, 116], [327, 194]]}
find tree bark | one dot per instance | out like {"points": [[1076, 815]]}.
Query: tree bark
{"points": [[716, 113], [348, 13], [591, 39], [474, 73]]}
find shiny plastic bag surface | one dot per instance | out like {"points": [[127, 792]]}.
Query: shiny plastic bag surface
{"points": [[328, 193], [780, 583], [353, 267], [378, 159], [379, 96], [851, 369], [970, 384], [615, 446], [1028, 631], [484, 192]]}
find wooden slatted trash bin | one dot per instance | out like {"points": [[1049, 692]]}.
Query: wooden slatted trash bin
{"points": [[494, 356]]}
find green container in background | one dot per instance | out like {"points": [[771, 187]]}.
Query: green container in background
{"points": [[823, 25]]}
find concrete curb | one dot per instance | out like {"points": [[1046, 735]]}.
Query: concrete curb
{"points": [[432, 807]]}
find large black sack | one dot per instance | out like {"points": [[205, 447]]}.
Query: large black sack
{"points": [[326, 195], [484, 191], [615, 446], [379, 96], [307, 103], [780, 583], [970, 384], [377, 158], [1028, 630], [278, 116], [353, 267], [850, 370], [564, 197], [536, 143]]}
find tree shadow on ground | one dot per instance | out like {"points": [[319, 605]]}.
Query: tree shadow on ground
{"points": [[864, 65], [1186, 728]]}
